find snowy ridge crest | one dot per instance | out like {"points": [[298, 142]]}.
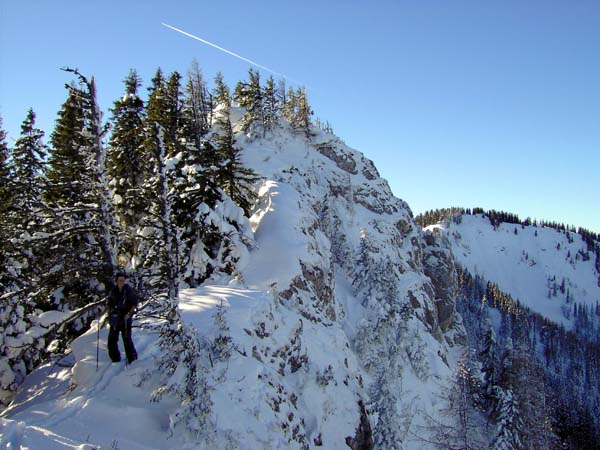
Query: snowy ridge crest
{"points": [[355, 261]]}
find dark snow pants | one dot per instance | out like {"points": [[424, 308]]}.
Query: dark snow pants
{"points": [[124, 328]]}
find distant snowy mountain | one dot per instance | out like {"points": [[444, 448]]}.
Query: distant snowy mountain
{"points": [[548, 270], [339, 330]]}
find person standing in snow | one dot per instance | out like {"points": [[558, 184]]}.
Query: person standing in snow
{"points": [[121, 305]]}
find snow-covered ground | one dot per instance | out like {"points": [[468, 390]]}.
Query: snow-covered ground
{"points": [[529, 265], [109, 407]]}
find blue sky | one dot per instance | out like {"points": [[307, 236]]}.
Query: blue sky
{"points": [[459, 103]]}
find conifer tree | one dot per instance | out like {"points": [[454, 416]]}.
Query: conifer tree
{"points": [[510, 427], [14, 305], [157, 98], [387, 432], [235, 179], [67, 162], [489, 364], [28, 166], [197, 107], [4, 200], [250, 97], [160, 249], [270, 105], [289, 106], [3, 164], [222, 94], [75, 252], [26, 213], [155, 150], [303, 112], [125, 159], [156, 111], [281, 94], [81, 245], [173, 116]]}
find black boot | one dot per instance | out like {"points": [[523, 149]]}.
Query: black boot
{"points": [[113, 348]]}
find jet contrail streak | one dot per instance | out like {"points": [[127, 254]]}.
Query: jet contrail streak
{"points": [[225, 50]]}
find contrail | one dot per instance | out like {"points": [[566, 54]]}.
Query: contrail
{"points": [[228, 52]]}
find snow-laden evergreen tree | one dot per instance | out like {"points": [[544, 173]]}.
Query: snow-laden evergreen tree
{"points": [[125, 159], [19, 352], [509, 430], [80, 248], [506, 373], [4, 205], [23, 215], [384, 401], [183, 365], [20, 348], [67, 245], [12, 320], [233, 177], [180, 363], [489, 368], [4, 170], [289, 104], [28, 165], [67, 163], [156, 114], [222, 345], [530, 388], [159, 248], [221, 92]]}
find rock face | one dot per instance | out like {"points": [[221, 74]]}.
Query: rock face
{"points": [[439, 266], [352, 259], [363, 439]]}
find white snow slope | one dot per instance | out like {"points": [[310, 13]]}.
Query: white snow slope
{"points": [[527, 265], [309, 321]]}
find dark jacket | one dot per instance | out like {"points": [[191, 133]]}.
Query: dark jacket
{"points": [[121, 302]]}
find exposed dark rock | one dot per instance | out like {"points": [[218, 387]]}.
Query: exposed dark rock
{"points": [[318, 285], [369, 170], [438, 265], [343, 160], [374, 200], [363, 438]]}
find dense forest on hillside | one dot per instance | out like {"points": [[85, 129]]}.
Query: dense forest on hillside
{"points": [[551, 374]]}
